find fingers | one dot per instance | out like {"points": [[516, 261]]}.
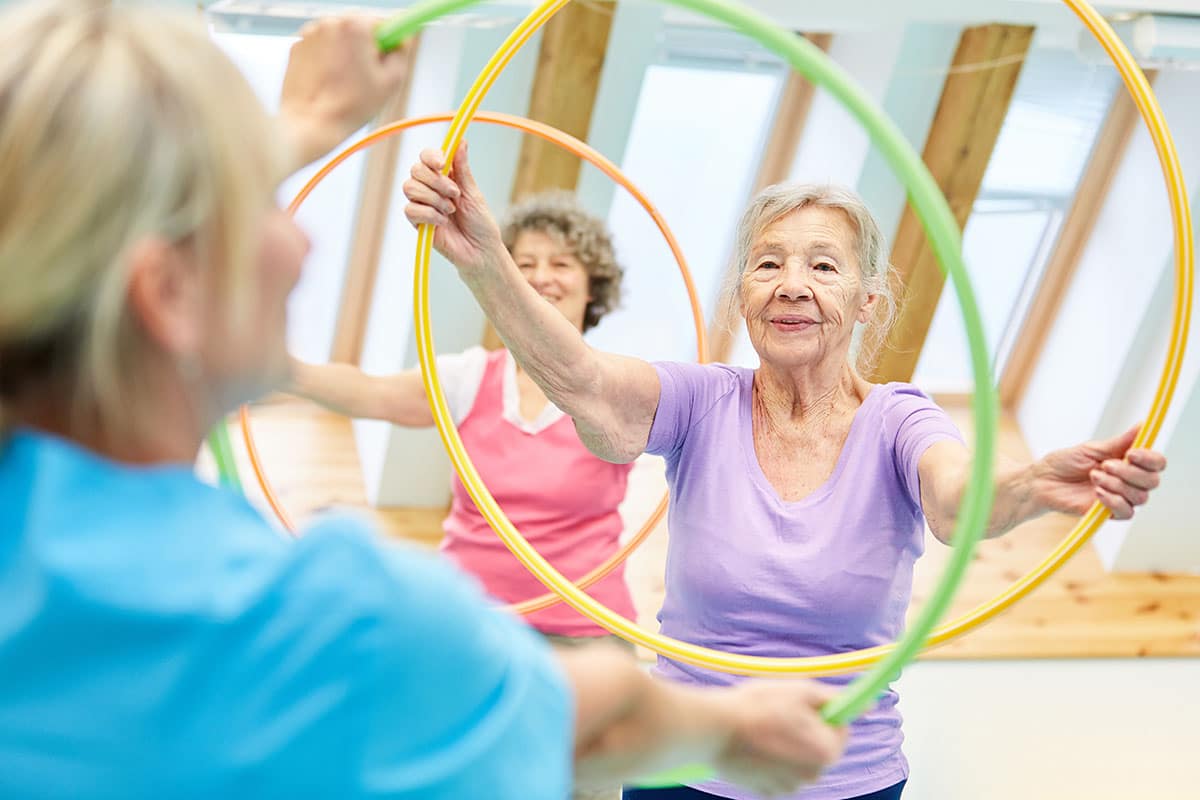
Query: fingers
{"points": [[418, 192], [428, 186], [1124, 484], [1132, 495], [418, 214], [394, 63], [462, 169], [820, 693], [393, 66], [1133, 474], [1117, 505], [1150, 460]]}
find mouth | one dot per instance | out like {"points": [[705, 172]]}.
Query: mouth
{"points": [[792, 323]]}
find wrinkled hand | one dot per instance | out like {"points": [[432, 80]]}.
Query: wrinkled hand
{"points": [[336, 81], [779, 741], [1121, 478], [465, 231]]}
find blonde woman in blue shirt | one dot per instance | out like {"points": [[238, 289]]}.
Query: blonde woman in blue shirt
{"points": [[157, 639]]}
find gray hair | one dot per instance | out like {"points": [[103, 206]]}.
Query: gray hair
{"points": [[559, 215], [870, 249]]}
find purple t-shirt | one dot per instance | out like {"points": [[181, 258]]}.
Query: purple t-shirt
{"points": [[750, 573]]}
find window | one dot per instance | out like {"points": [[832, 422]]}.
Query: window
{"points": [[327, 216], [1056, 113], [693, 149]]}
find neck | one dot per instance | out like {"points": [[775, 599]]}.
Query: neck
{"points": [[163, 425], [809, 392]]}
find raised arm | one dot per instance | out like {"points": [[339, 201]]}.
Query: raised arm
{"points": [[611, 398], [336, 81], [347, 390], [1068, 480], [768, 737]]}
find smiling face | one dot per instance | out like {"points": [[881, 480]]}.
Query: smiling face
{"points": [[554, 272], [802, 289]]}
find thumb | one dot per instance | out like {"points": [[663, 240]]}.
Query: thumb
{"points": [[1118, 445], [461, 171]]}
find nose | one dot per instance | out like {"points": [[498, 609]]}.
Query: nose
{"points": [[794, 283], [541, 273]]}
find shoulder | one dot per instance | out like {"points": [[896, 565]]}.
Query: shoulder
{"points": [[390, 653], [715, 380], [899, 402]]}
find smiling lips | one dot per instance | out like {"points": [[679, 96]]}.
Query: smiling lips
{"points": [[791, 323]]}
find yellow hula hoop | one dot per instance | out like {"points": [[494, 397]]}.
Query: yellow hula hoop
{"points": [[1139, 88]]}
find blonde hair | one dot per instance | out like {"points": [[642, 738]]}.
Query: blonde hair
{"points": [[870, 249], [116, 125], [559, 215]]}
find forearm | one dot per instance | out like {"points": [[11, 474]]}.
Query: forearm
{"points": [[341, 388], [630, 725], [1015, 499], [306, 139], [550, 349]]}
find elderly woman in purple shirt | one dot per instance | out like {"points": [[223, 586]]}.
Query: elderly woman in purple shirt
{"points": [[799, 490]]}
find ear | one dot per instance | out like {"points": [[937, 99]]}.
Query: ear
{"points": [[739, 296], [165, 296], [867, 309]]}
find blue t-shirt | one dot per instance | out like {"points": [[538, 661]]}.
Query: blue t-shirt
{"points": [[159, 639]]}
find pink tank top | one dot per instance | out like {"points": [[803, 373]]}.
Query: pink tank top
{"points": [[562, 498]]}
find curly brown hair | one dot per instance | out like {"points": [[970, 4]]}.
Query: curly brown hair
{"points": [[559, 215]]}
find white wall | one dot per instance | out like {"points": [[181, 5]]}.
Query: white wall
{"points": [[327, 216], [1121, 729]]}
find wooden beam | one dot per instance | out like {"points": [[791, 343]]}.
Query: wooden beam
{"points": [[787, 126], [570, 62], [965, 127], [370, 227], [1056, 278]]}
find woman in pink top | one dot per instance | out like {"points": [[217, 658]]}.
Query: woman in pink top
{"points": [[563, 498]]}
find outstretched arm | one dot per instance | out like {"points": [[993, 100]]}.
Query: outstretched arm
{"points": [[768, 737], [1068, 480], [347, 390], [611, 398]]}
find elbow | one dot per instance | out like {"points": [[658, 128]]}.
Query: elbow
{"points": [[941, 525]]}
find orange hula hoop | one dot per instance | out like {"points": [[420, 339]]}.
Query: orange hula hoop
{"points": [[583, 151]]}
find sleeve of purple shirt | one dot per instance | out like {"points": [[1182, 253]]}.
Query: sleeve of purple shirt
{"points": [[917, 423], [688, 392]]}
